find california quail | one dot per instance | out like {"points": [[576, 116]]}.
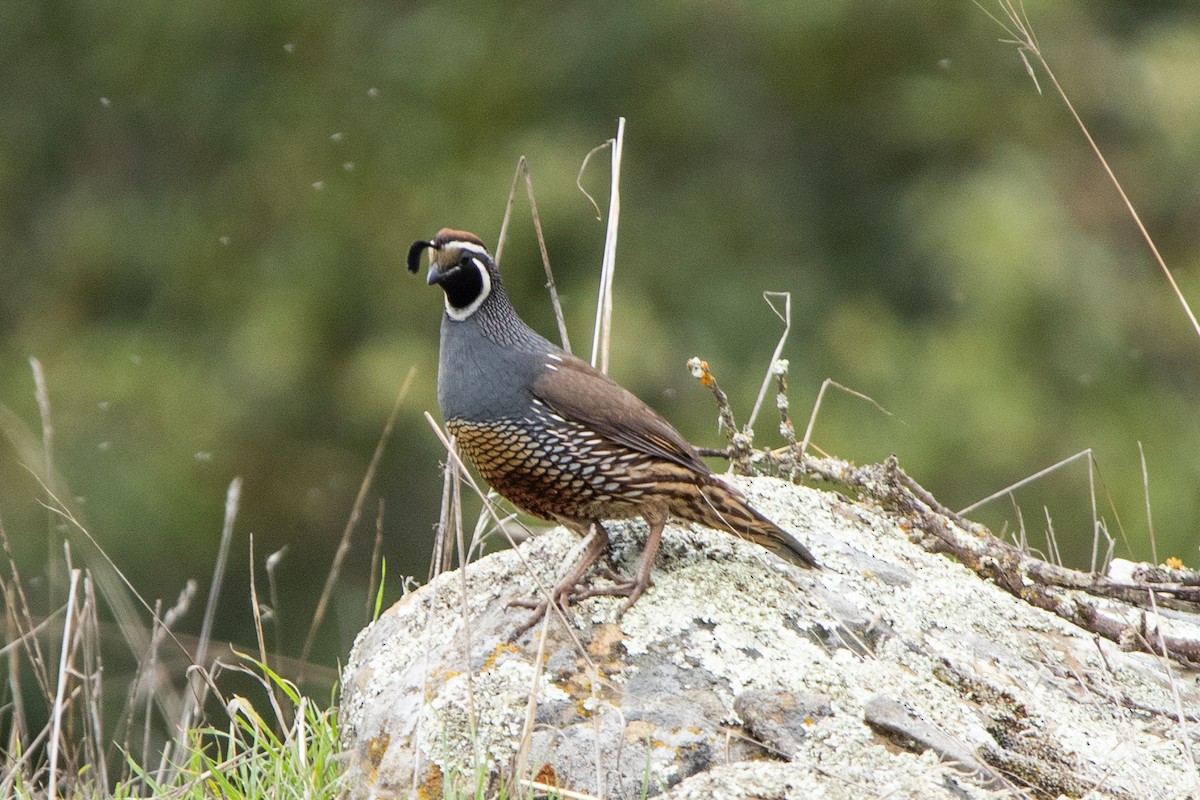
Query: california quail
{"points": [[562, 440]]}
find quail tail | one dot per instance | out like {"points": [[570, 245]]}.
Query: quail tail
{"points": [[720, 506]]}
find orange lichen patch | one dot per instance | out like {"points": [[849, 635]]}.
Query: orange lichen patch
{"points": [[546, 775], [376, 747], [501, 649], [432, 787], [438, 680], [639, 730], [581, 708], [605, 641], [1173, 563]]}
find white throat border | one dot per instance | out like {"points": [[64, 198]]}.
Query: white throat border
{"points": [[460, 314]]}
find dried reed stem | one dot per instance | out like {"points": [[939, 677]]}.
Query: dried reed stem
{"points": [[602, 331], [60, 688]]}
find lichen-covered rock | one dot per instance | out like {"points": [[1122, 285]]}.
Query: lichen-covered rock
{"points": [[891, 672]]}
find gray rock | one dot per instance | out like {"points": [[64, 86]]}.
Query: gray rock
{"points": [[891, 672]]}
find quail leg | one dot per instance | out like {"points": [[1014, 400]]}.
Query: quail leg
{"points": [[633, 588], [561, 595]]}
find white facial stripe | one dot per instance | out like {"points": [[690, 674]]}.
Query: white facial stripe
{"points": [[461, 245], [459, 314]]}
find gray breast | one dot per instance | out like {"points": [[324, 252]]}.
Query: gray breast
{"points": [[479, 379]]}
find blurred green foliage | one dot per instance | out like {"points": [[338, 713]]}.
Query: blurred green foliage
{"points": [[204, 208]]}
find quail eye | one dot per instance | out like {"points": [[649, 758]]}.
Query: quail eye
{"points": [[464, 260]]}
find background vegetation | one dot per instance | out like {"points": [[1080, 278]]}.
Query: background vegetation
{"points": [[204, 209]]}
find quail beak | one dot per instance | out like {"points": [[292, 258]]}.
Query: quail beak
{"points": [[438, 270], [442, 264]]}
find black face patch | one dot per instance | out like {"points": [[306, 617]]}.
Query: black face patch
{"points": [[462, 283]]}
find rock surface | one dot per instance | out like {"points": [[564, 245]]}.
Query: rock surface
{"points": [[892, 672]]}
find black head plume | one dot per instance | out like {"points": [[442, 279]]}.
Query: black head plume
{"points": [[414, 253]]}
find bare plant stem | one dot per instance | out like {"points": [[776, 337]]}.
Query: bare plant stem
{"points": [[376, 555], [61, 685], [1146, 494], [602, 334], [352, 522], [1071, 594], [786, 318], [1019, 28], [523, 170], [198, 682], [740, 442]]}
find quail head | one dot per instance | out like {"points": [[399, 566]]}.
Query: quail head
{"points": [[561, 440]]}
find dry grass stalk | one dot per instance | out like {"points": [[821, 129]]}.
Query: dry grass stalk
{"points": [[523, 170], [602, 330], [351, 523], [1016, 24], [58, 709], [199, 680], [1146, 495]]}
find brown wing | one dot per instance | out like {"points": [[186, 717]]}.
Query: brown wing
{"points": [[579, 393]]}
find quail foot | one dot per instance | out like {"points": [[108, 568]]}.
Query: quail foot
{"points": [[561, 440]]}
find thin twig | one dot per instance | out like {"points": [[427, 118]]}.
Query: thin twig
{"points": [[812, 418], [1023, 36], [579, 177], [531, 706], [1022, 538], [523, 169], [443, 544], [18, 729], [740, 442], [41, 394], [1052, 540], [356, 511], [786, 317], [508, 209], [1146, 495], [541, 240], [1025, 481], [465, 605], [376, 555], [140, 676], [786, 429]]}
